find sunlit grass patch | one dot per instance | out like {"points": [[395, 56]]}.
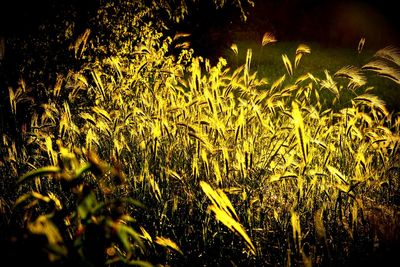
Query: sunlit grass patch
{"points": [[279, 156], [268, 63]]}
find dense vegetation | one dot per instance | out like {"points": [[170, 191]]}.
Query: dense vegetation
{"points": [[131, 154]]}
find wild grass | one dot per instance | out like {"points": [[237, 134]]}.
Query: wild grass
{"points": [[268, 63], [149, 158]]}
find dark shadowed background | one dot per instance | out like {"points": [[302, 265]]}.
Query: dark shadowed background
{"points": [[336, 22], [329, 22]]}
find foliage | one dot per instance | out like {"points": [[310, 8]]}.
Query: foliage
{"points": [[290, 180], [81, 223]]}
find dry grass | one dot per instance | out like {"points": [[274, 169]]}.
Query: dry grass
{"points": [[280, 169]]}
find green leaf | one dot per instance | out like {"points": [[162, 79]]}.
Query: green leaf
{"points": [[87, 206], [124, 232], [48, 170], [82, 170]]}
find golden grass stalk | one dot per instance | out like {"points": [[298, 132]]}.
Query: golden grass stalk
{"points": [[145, 234], [99, 84], [224, 212], [354, 74], [50, 152], [361, 44], [80, 44], [330, 84], [155, 188], [383, 69], [180, 35], [57, 86], [278, 82], [302, 139], [297, 59], [303, 49], [373, 100], [217, 172], [301, 79], [267, 38], [288, 64], [218, 198], [13, 102], [88, 117], [300, 51], [337, 174], [115, 62], [234, 48], [247, 67], [233, 225], [168, 243], [90, 138], [390, 53], [184, 45], [102, 113], [56, 201], [296, 229]]}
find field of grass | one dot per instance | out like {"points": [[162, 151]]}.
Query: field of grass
{"points": [[138, 157], [268, 63]]}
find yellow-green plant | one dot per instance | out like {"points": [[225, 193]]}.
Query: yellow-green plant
{"points": [[284, 171]]}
